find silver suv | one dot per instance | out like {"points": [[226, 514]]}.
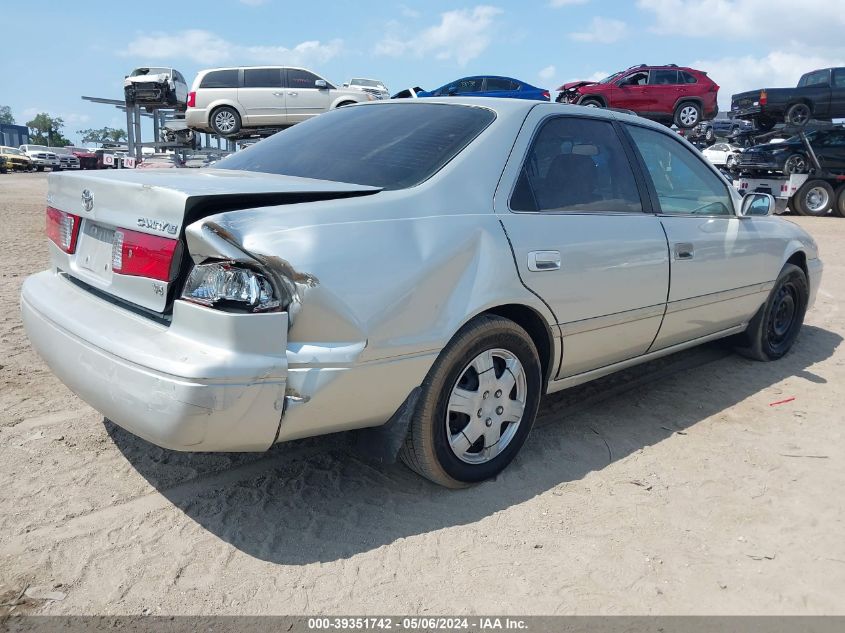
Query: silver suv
{"points": [[225, 100]]}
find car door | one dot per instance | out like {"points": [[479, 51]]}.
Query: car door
{"points": [[632, 92], [830, 150], [582, 238], [722, 266], [500, 87], [303, 98], [664, 90], [262, 97], [837, 94]]}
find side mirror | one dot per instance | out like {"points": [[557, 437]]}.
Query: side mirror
{"points": [[757, 205], [320, 83]]}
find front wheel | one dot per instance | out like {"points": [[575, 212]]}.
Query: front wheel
{"points": [[795, 164], [687, 115], [477, 404], [592, 103], [775, 327]]}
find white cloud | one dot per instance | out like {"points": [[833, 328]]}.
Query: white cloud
{"points": [[778, 68], [462, 35], [602, 31], [565, 3], [547, 73], [205, 47], [759, 20]]}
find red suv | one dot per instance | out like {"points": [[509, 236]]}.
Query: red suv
{"points": [[667, 94]]}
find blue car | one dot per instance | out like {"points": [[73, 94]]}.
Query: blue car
{"points": [[489, 86]]}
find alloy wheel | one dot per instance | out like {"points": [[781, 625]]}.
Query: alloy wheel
{"points": [[688, 115], [224, 121], [817, 199]]}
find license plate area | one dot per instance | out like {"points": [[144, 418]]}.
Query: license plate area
{"points": [[94, 251]]}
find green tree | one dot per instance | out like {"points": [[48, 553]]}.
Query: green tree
{"points": [[92, 135], [6, 115], [47, 130]]}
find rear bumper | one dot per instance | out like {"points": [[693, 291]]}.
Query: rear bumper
{"points": [[197, 118], [210, 381], [744, 113]]}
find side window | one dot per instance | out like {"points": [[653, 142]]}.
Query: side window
{"points": [[819, 77], [577, 165], [684, 184], [686, 78], [664, 77], [834, 139], [839, 77], [262, 78], [469, 84], [498, 83], [301, 78], [221, 79], [637, 79], [177, 76]]}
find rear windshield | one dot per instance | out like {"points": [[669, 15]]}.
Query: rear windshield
{"points": [[391, 146]]}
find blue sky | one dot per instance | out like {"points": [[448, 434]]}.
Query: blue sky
{"points": [[742, 44]]}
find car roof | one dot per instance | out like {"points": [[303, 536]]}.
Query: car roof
{"points": [[208, 70]]}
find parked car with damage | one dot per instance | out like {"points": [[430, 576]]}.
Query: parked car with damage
{"points": [[15, 159], [374, 87], [722, 154], [42, 157], [791, 157], [488, 86], [424, 293], [667, 94], [724, 128], [820, 94], [226, 100], [151, 86]]}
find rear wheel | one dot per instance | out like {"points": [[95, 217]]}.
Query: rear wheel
{"points": [[839, 204], [775, 327], [764, 124], [798, 114], [687, 115], [477, 404], [226, 121], [795, 164], [709, 134], [815, 198]]}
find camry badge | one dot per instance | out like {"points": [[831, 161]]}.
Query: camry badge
{"points": [[87, 199]]}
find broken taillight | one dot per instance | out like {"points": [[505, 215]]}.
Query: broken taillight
{"points": [[192, 99], [142, 255], [62, 229], [764, 98]]}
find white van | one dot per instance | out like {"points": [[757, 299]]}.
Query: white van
{"points": [[225, 100]]}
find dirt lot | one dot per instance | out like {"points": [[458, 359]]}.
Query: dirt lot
{"points": [[677, 487]]}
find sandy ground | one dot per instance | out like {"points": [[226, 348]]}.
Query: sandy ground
{"points": [[677, 487]]}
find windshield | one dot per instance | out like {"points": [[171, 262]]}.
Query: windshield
{"points": [[36, 148], [12, 150], [138, 72], [391, 146], [371, 83], [609, 78]]}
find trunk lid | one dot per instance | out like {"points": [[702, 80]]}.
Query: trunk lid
{"points": [[114, 205]]}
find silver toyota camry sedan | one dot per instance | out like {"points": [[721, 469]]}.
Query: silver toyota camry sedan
{"points": [[421, 271]]}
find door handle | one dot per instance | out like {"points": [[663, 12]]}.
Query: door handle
{"points": [[278, 94], [539, 261], [684, 250], [293, 94]]}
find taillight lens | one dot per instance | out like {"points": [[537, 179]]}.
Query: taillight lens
{"points": [[764, 97], [546, 95], [227, 286], [192, 99], [142, 255], [63, 229]]}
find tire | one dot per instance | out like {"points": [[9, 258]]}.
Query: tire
{"points": [[345, 103], [40, 168], [775, 327], [730, 162], [449, 445], [709, 135], [798, 114], [795, 164], [764, 124], [225, 121], [687, 115], [839, 202], [592, 103], [815, 197]]}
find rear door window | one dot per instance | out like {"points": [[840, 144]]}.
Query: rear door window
{"points": [[685, 185], [221, 79], [664, 77], [495, 84], [262, 78], [576, 165]]}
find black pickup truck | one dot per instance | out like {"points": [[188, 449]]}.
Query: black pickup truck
{"points": [[820, 94]]}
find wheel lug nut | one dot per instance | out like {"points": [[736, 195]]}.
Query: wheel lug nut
{"points": [[486, 395], [500, 410], [498, 393], [479, 413], [488, 422]]}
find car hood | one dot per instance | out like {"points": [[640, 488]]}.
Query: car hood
{"points": [[161, 78], [576, 84], [772, 147]]}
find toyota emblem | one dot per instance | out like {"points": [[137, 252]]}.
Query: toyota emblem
{"points": [[87, 199]]}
